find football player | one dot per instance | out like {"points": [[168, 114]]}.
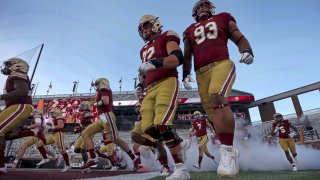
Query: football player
{"points": [[17, 97], [286, 141], [206, 40], [37, 126], [161, 55], [56, 138], [85, 119], [106, 122], [199, 127]]}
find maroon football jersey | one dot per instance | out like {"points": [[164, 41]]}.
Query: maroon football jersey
{"points": [[200, 125], [208, 39], [9, 87], [85, 118], [104, 108], [284, 128], [55, 123], [157, 49]]}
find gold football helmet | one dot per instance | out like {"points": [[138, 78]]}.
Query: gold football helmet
{"points": [[102, 83], [149, 22], [14, 65], [85, 106], [197, 114]]}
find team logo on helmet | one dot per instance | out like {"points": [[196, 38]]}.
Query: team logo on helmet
{"points": [[200, 13], [149, 26], [14, 65]]}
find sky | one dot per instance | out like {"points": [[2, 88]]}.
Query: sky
{"points": [[84, 40]]}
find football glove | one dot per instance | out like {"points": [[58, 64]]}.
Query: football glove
{"points": [[246, 57], [187, 82], [146, 66]]}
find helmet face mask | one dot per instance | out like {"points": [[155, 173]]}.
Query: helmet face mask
{"points": [[202, 10], [149, 27], [14, 65]]}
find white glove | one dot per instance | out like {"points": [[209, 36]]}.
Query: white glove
{"points": [[186, 82], [146, 66], [246, 57], [138, 91], [291, 135]]}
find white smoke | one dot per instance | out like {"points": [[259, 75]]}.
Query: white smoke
{"points": [[254, 155]]}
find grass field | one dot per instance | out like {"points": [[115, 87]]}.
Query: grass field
{"points": [[267, 175]]}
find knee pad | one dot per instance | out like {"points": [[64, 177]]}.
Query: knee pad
{"points": [[154, 132], [171, 137]]}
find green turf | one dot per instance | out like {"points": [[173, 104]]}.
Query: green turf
{"points": [[267, 175]]}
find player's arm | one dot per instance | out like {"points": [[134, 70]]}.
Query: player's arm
{"points": [[294, 128], [36, 124], [275, 128], [21, 88], [187, 65], [174, 59], [191, 131], [60, 125], [210, 127], [241, 41], [237, 37]]}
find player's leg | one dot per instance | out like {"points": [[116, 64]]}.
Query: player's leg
{"points": [[147, 112], [284, 143], [87, 135], [58, 139], [293, 151], [214, 88], [112, 129], [42, 150], [165, 108], [10, 119], [27, 143]]}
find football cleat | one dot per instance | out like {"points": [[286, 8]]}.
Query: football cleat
{"points": [[3, 170], [11, 165], [90, 162], [180, 173], [66, 168], [197, 165], [228, 165], [164, 171], [294, 168], [43, 161]]}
